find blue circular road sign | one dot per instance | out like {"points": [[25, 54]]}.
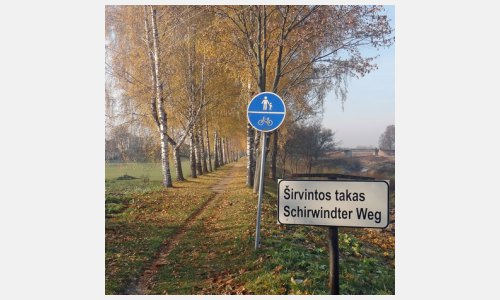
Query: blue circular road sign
{"points": [[266, 111]]}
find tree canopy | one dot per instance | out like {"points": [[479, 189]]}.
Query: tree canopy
{"points": [[188, 72]]}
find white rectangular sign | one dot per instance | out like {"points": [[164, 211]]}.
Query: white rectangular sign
{"points": [[334, 203]]}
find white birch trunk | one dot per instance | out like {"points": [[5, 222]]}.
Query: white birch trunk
{"points": [[223, 144], [197, 151], [208, 147], [192, 156], [167, 178], [203, 157], [216, 151], [221, 160]]}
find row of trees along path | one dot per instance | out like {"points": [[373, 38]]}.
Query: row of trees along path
{"points": [[188, 72]]}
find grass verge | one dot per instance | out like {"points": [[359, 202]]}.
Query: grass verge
{"points": [[216, 255], [140, 215]]}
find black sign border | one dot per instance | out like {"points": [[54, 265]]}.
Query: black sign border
{"points": [[388, 197]]}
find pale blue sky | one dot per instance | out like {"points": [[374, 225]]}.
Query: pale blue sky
{"points": [[369, 108]]}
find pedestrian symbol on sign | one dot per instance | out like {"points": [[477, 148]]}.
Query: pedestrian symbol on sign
{"points": [[265, 103]]}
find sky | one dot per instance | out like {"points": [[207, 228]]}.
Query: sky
{"points": [[369, 107]]}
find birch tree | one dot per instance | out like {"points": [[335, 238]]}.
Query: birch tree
{"points": [[304, 43], [158, 107], [188, 100]]}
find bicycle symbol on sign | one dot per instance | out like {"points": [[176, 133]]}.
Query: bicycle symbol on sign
{"points": [[268, 121]]}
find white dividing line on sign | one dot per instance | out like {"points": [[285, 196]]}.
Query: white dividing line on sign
{"points": [[334, 203], [267, 112]]}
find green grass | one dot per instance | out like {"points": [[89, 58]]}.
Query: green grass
{"points": [[216, 245], [140, 216], [217, 257], [151, 171]]}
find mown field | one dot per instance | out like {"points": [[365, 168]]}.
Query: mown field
{"points": [[143, 170], [216, 255]]}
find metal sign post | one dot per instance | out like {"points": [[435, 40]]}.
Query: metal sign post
{"points": [[265, 112], [333, 246], [261, 189]]}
